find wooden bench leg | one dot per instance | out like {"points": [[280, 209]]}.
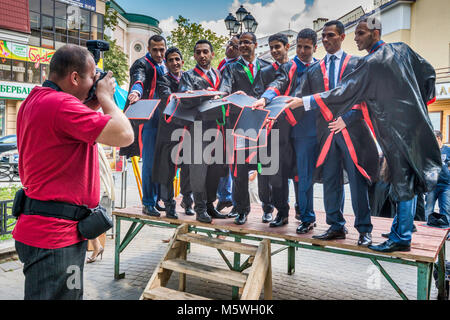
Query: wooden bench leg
{"points": [[291, 260], [236, 267], [424, 281], [442, 289], [117, 274]]}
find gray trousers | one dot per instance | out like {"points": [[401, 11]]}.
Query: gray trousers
{"points": [[53, 274]]}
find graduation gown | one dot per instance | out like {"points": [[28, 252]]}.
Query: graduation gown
{"points": [[284, 123], [192, 80], [235, 78], [397, 84], [357, 136], [142, 71], [163, 168]]}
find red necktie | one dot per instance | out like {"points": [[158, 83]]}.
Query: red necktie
{"points": [[307, 65], [250, 66]]}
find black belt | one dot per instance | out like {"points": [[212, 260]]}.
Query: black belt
{"points": [[55, 209]]}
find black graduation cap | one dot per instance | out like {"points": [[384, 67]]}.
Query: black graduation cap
{"points": [[142, 109], [182, 116], [198, 93], [277, 106], [211, 109], [250, 123], [240, 100]]}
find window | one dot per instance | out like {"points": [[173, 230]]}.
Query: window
{"points": [[51, 26], [48, 7], [137, 47], [35, 5], [435, 118], [33, 73], [5, 69], [18, 68]]}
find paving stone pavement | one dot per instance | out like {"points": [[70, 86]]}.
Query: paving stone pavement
{"points": [[318, 275]]}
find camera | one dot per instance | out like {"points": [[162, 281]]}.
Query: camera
{"points": [[96, 47]]}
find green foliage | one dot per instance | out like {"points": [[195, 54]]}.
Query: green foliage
{"points": [[116, 61], [110, 20], [8, 193], [187, 34]]}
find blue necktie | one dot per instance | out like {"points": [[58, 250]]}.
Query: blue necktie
{"points": [[331, 72]]}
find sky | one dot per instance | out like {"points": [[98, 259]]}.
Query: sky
{"points": [[272, 15]]}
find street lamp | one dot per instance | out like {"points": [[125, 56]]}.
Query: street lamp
{"points": [[244, 19], [241, 13], [249, 21]]}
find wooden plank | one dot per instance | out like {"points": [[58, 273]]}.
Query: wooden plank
{"points": [[162, 293], [227, 245], [258, 273], [425, 244], [202, 271]]}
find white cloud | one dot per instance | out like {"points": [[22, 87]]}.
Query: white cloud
{"points": [[278, 15], [167, 25]]}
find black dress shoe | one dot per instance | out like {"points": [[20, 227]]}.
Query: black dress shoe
{"points": [[390, 246], [331, 235], [365, 239], [267, 217], [305, 227], [214, 213], [189, 212], [222, 205], [233, 213], [241, 219], [150, 211], [279, 221], [170, 210], [203, 217], [385, 235]]}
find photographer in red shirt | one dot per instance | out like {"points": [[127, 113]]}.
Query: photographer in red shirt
{"points": [[57, 138]]}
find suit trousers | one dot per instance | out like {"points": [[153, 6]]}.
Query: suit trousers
{"points": [[53, 274], [306, 157], [265, 193], [150, 190], [333, 189], [401, 229]]}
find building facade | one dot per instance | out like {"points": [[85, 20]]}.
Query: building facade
{"points": [[132, 33], [26, 48], [422, 24]]}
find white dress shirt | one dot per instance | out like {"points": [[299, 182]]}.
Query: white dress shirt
{"points": [[255, 68], [211, 72], [337, 63]]}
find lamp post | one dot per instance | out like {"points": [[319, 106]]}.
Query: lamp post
{"points": [[243, 19]]}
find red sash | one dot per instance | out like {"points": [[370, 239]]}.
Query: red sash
{"points": [[328, 116], [203, 75]]}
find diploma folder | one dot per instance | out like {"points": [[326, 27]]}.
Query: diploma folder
{"points": [[250, 123], [211, 109], [277, 106], [175, 113], [142, 109]]}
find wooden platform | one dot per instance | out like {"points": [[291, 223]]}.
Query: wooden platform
{"points": [[426, 243]]}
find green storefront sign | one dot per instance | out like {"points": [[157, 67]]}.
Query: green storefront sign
{"points": [[15, 90]]}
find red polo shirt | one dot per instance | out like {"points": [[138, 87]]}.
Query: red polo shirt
{"points": [[58, 161]]}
